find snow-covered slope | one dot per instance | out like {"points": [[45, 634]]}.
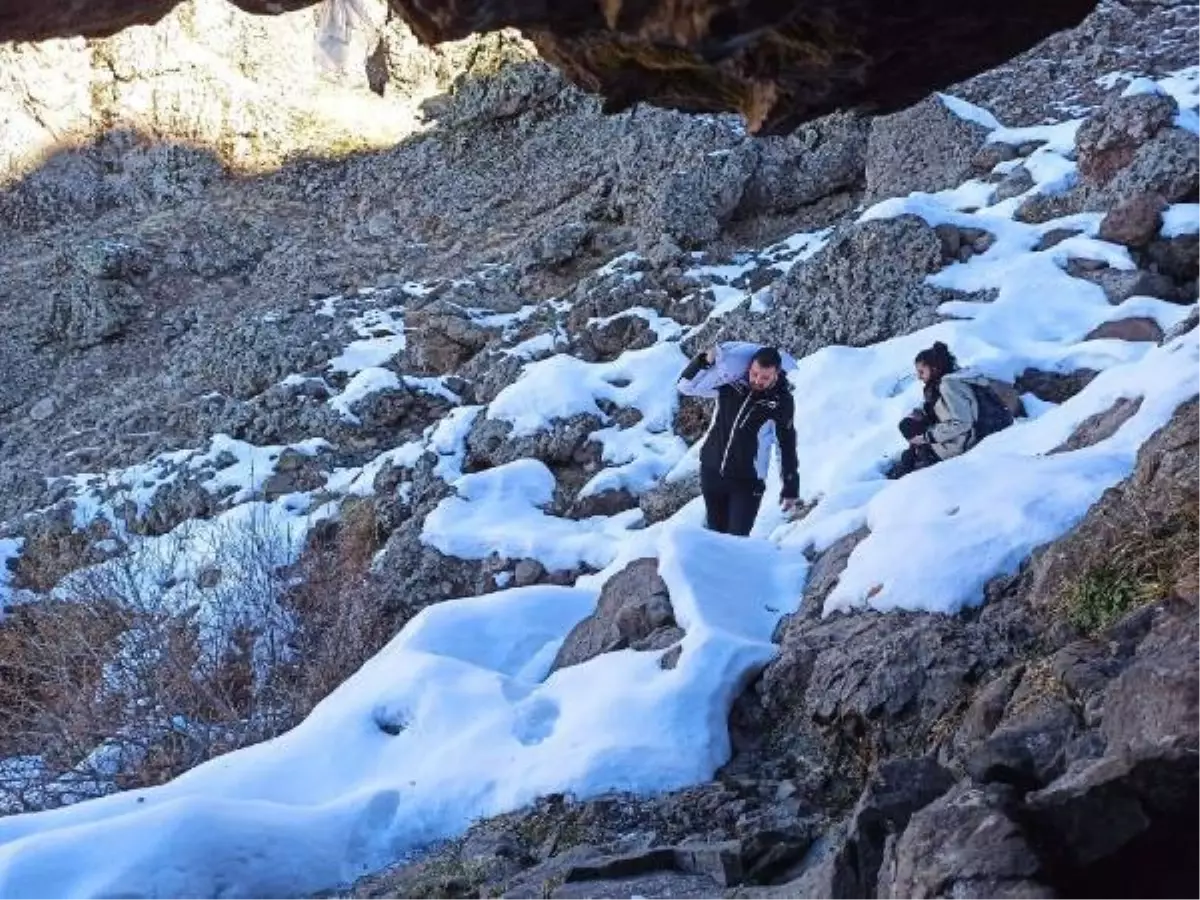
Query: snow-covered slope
{"points": [[456, 718]]}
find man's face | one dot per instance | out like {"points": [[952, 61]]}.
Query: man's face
{"points": [[762, 378], [924, 373]]}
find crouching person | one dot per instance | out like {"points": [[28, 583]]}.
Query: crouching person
{"points": [[754, 411], [959, 411]]}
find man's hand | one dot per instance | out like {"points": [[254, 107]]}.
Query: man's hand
{"points": [[711, 354], [788, 504]]}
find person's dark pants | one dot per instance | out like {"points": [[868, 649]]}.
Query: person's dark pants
{"points": [[917, 456], [732, 503]]}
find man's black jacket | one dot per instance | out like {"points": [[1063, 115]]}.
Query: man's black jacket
{"points": [[745, 424]]}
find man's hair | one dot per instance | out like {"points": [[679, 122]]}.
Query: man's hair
{"points": [[768, 358]]}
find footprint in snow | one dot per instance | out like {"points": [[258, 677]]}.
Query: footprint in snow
{"points": [[534, 721]]}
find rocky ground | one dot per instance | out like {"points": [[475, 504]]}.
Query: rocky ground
{"points": [[154, 297]]}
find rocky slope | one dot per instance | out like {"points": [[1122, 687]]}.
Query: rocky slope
{"points": [[153, 298]]}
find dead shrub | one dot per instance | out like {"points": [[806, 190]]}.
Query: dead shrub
{"points": [[48, 556], [342, 620], [141, 668]]}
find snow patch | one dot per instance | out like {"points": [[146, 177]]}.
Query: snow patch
{"points": [[500, 511]]}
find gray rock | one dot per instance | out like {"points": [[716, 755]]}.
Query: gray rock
{"points": [[290, 480], [1135, 221], [825, 573], [565, 442], [440, 343], [43, 409], [992, 154], [693, 204], [817, 160], [1083, 667], [845, 861], [1135, 328], [880, 679], [1167, 166], [668, 497], [1121, 284], [1054, 387], [1015, 183], [560, 244], [1154, 701], [923, 148], [985, 712], [633, 604], [1192, 320], [1041, 208], [83, 311], [1176, 257], [965, 844], [866, 286], [513, 89], [1109, 138], [113, 259], [605, 503], [527, 572], [603, 343], [1029, 750], [1102, 425], [1054, 237]]}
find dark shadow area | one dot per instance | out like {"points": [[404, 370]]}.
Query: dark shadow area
{"points": [[1162, 862]]}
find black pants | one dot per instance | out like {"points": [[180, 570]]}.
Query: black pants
{"points": [[732, 503], [918, 456]]}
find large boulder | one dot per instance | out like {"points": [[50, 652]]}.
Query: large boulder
{"points": [[818, 160], [867, 285], [1154, 701], [1130, 147], [564, 442], [888, 682], [1167, 166], [898, 789], [1117, 820], [967, 843], [1108, 139], [924, 148], [693, 204]]}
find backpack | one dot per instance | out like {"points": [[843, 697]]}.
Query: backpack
{"points": [[993, 414]]}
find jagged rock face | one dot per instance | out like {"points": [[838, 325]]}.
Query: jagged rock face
{"points": [[778, 64]]}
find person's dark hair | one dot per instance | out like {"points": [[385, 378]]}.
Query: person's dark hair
{"points": [[939, 358], [768, 358]]}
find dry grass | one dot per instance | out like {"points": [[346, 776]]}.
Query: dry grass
{"points": [[1142, 564], [103, 689], [49, 556], [342, 620]]}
